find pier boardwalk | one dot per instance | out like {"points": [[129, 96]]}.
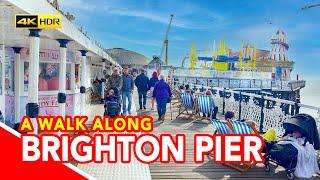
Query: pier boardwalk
{"points": [[187, 170]]}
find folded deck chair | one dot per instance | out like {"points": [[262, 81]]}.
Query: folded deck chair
{"points": [[239, 127], [205, 105], [187, 103]]}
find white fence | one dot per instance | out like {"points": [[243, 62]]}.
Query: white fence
{"points": [[267, 112]]}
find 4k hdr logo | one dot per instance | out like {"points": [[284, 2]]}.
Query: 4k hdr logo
{"points": [[41, 21]]}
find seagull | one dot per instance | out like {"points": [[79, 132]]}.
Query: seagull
{"points": [[311, 6]]}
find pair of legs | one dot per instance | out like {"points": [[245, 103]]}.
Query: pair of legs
{"points": [[152, 99], [161, 107], [125, 96], [152, 103], [142, 99], [214, 116]]}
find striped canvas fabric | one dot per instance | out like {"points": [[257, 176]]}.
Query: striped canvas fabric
{"points": [[241, 127], [205, 104], [221, 127], [187, 100]]}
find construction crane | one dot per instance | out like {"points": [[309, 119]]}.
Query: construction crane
{"points": [[166, 41]]}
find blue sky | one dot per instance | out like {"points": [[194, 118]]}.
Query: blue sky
{"points": [[140, 25]]}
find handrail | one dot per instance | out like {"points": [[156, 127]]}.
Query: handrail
{"points": [[255, 95]]}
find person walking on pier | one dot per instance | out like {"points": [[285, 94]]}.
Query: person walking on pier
{"points": [[162, 94], [142, 83], [153, 80], [127, 90], [115, 81]]}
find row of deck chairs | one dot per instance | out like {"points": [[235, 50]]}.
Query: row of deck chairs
{"points": [[195, 105], [235, 127]]}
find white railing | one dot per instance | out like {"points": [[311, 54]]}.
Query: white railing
{"points": [[267, 112]]}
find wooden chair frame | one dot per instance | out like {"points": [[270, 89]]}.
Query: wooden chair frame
{"points": [[242, 168], [184, 110]]}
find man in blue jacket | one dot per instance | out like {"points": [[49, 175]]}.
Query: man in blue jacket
{"points": [[142, 83], [127, 90], [162, 94]]}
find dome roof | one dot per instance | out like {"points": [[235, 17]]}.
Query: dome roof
{"points": [[126, 57]]}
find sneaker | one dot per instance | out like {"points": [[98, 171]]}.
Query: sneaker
{"points": [[162, 118], [129, 113], [140, 108], [144, 107]]}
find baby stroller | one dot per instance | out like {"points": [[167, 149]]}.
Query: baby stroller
{"points": [[112, 105], [286, 155]]}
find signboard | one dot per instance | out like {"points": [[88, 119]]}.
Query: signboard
{"points": [[48, 55], [48, 105]]}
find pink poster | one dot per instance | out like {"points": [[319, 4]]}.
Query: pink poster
{"points": [[49, 105]]}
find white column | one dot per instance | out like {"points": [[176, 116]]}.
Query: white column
{"points": [[2, 75], [32, 106], [17, 82], [103, 78], [62, 76], [73, 86], [83, 81]]}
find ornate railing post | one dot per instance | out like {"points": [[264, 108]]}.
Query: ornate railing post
{"points": [[297, 107], [224, 101], [240, 99], [261, 103]]}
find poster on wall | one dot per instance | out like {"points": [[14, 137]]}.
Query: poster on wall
{"points": [[48, 105]]}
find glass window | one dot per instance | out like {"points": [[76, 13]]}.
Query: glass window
{"points": [[48, 76], [77, 75], [9, 76]]}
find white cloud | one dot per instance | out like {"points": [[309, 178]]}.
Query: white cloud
{"points": [[182, 19], [132, 41], [77, 4]]}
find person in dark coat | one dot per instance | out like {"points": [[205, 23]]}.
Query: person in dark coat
{"points": [[142, 83], [153, 80], [162, 94]]}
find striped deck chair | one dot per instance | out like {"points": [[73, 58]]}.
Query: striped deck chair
{"points": [[187, 103], [239, 127], [205, 105], [221, 127]]}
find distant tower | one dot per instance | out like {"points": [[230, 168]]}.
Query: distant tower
{"points": [[279, 47], [279, 53]]}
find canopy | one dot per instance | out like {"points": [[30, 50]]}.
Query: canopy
{"points": [[305, 124]]}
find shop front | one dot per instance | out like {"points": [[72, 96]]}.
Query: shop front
{"points": [[48, 85]]}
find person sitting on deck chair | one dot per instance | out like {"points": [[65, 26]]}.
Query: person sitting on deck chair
{"points": [[230, 116], [188, 90], [214, 107]]}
